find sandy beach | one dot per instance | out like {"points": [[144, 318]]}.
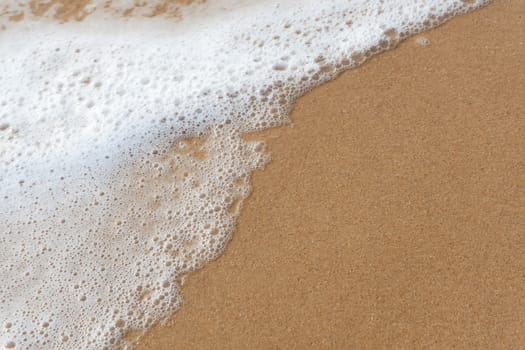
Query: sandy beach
{"points": [[392, 215]]}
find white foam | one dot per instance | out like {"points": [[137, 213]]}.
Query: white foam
{"points": [[104, 205]]}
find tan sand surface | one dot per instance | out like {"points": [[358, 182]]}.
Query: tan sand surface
{"points": [[393, 213]]}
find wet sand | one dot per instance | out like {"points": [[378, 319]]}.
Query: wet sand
{"points": [[393, 213]]}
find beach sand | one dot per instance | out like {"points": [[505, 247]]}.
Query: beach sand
{"points": [[393, 213]]}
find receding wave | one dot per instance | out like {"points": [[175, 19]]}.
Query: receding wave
{"points": [[122, 161]]}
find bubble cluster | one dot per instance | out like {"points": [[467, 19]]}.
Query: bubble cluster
{"points": [[122, 161]]}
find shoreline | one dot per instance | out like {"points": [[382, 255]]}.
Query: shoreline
{"points": [[389, 216]]}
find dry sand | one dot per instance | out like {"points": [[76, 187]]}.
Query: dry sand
{"points": [[393, 213]]}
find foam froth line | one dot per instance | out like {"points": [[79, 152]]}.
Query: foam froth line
{"points": [[122, 165]]}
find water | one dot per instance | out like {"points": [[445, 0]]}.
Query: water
{"points": [[123, 165]]}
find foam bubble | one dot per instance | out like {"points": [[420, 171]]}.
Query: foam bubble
{"points": [[422, 41], [122, 162]]}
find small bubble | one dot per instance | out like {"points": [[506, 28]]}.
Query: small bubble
{"points": [[422, 41], [279, 66]]}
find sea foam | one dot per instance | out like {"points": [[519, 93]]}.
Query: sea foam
{"points": [[123, 165]]}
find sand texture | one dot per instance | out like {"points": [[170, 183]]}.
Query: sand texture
{"points": [[393, 213]]}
